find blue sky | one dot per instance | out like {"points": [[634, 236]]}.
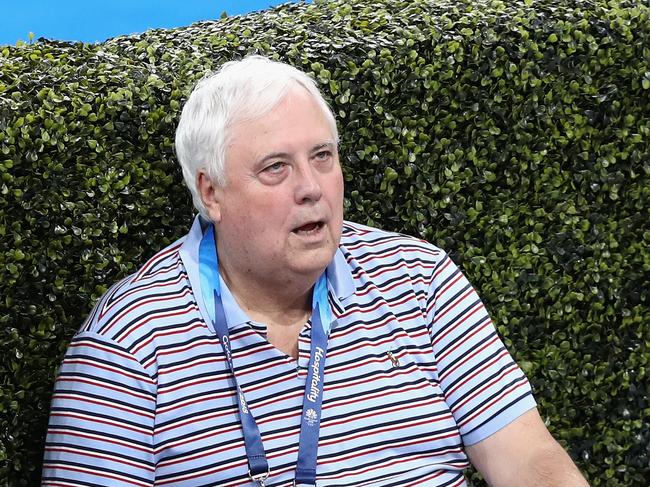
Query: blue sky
{"points": [[93, 21]]}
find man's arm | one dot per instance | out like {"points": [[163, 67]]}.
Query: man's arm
{"points": [[523, 454], [102, 418]]}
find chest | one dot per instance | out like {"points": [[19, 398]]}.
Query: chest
{"points": [[383, 413]]}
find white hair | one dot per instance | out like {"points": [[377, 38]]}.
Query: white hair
{"points": [[238, 91]]}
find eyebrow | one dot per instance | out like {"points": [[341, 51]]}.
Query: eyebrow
{"points": [[324, 145], [274, 155]]}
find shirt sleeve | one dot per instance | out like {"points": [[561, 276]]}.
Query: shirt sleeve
{"points": [[101, 429], [483, 386]]}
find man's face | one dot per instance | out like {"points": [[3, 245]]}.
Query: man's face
{"points": [[280, 214]]}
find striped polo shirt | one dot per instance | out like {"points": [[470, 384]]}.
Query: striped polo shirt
{"points": [[414, 371]]}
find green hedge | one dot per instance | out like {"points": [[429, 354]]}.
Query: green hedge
{"points": [[515, 134]]}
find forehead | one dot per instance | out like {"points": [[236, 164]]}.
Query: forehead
{"points": [[260, 105], [296, 120]]}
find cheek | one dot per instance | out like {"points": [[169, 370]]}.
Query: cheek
{"points": [[267, 214], [339, 179], [335, 192]]}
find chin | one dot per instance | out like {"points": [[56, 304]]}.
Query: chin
{"points": [[314, 263]]}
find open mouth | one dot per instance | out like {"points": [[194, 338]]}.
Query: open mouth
{"points": [[309, 228]]}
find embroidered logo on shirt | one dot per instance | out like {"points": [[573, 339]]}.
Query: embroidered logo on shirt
{"points": [[393, 359]]}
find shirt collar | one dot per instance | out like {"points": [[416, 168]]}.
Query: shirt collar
{"points": [[339, 278]]}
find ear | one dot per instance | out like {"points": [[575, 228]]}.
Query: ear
{"points": [[210, 194]]}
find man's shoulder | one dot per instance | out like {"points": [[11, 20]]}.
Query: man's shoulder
{"points": [[160, 281], [364, 243]]}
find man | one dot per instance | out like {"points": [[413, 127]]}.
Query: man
{"points": [[278, 345]]}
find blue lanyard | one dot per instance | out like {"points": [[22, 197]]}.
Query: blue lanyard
{"points": [[258, 467]]}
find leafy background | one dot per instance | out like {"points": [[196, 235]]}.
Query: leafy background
{"points": [[513, 134]]}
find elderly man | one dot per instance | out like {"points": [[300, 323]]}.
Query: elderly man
{"points": [[278, 345]]}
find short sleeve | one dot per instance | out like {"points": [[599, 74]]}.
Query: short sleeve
{"points": [[102, 417], [483, 386]]}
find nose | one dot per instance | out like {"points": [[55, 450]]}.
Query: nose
{"points": [[308, 184]]}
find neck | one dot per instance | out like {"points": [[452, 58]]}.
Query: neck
{"points": [[283, 307], [280, 304]]}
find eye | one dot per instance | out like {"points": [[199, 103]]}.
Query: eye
{"points": [[323, 155], [276, 167], [274, 172]]}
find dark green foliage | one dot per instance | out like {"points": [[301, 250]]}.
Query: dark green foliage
{"points": [[514, 134]]}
